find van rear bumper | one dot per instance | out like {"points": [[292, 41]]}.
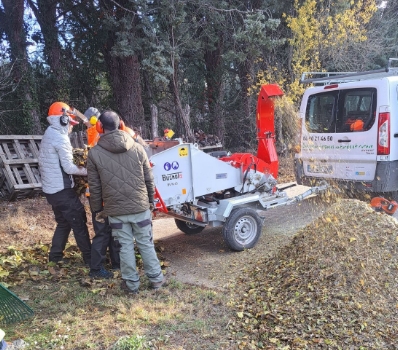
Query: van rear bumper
{"points": [[386, 178]]}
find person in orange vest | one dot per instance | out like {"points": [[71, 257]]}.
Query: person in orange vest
{"points": [[103, 233], [93, 136]]}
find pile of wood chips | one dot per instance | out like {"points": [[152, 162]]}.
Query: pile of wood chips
{"points": [[335, 286], [80, 159]]}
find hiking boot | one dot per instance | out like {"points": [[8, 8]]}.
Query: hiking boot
{"points": [[101, 273], [123, 286], [157, 285]]}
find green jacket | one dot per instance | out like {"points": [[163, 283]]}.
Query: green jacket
{"points": [[119, 175]]}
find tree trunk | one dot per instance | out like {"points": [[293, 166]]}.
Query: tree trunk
{"points": [[14, 28], [125, 81], [124, 67], [46, 15], [154, 121], [247, 121], [215, 89], [182, 115]]}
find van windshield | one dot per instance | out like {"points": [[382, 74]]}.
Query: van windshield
{"points": [[341, 111]]}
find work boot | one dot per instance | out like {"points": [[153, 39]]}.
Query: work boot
{"points": [[157, 285], [123, 286], [101, 273]]}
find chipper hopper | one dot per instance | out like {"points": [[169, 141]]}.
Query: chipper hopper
{"points": [[230, 190]]}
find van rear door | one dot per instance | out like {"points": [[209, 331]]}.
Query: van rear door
{"points": [[339, 133]]}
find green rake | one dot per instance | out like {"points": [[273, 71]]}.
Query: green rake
{"points": [[12, 309]]}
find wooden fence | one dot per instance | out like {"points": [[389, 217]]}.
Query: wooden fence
{"points": [[19, 165]]}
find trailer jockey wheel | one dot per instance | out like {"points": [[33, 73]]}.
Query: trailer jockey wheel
{"points": [[188, 228], [242, 229]]}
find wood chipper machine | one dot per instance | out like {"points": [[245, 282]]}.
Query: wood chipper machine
{"points": [[230, 190]]}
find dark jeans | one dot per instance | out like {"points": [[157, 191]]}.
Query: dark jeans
{"points": [[70, 215], [103, 239]]}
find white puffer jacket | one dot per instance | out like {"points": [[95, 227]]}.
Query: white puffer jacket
{"points": [[56, 158]]}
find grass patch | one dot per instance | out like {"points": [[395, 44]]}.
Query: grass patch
{"points": [[71, 316]]}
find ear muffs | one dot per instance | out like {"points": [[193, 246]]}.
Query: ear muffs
{"points": [[100, 128], [64, 120], [122, 126]]}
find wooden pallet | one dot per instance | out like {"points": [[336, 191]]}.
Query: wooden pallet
{"points": [[78, 139], [19, 168]]}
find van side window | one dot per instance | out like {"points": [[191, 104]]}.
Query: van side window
{"points": [[320, 112], [357, 110]]}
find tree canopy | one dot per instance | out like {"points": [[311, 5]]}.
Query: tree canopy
{"points": [[196, 64]]}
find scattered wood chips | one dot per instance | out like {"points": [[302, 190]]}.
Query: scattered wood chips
{"points": [[335, 286]]}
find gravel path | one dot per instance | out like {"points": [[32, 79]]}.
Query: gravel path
{"points": [[205, 259]]}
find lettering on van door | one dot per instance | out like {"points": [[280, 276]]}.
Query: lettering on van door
{"points": [[366, 148], [317, 138]]}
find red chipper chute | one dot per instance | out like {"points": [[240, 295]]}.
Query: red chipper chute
{"points": [[267, 158]]}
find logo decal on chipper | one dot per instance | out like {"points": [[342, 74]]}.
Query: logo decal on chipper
{"points": [[167, 166], [173, 176]]}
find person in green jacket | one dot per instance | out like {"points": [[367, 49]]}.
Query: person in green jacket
{"points": [[122, 188]]}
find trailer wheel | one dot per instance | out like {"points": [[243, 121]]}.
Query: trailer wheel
{"points": [[188, 228], [242, 229]]}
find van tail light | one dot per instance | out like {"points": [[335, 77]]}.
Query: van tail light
{"points": [[297, 147], [383, 139]]}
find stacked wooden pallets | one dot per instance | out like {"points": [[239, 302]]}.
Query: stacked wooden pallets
{"points": [[19, 168], [19, 165]]}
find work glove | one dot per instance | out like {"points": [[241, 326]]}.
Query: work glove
{"points": [[100, 217], [151, 206]]}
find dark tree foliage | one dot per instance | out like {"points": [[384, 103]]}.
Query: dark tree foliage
{"points": [[187, 64], [22, 98]]}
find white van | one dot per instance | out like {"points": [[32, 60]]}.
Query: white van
{"points": [[349, 131]]}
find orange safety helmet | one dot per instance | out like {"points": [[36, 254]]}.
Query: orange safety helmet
{"points": [[58, 109]]}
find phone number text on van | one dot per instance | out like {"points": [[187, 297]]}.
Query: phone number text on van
{"points": [[317, 138]]}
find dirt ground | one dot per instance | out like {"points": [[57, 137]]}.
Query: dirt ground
{"points": [[201, 259], [205, 259]]}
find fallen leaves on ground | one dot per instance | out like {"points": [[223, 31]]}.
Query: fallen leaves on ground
{"points": [[334, 286], [18, 265]]}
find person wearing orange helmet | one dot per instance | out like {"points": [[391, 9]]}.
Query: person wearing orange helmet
{"points": [[56, 170]]}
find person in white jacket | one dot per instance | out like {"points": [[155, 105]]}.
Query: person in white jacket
{"points": [[56, 170]]}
